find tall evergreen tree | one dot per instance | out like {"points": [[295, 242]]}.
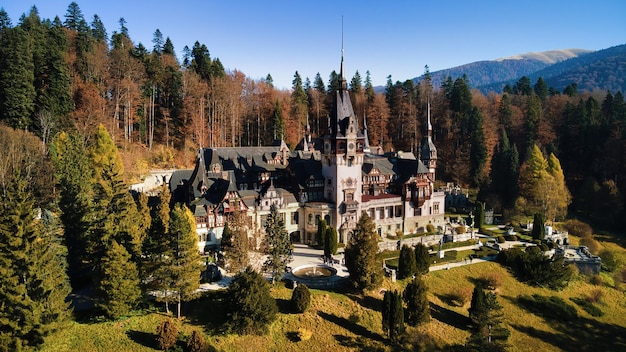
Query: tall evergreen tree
{"points": [[33, 282], [235, 243], [118, 285], [393, 315], [73, 173], [415, 296], [539, 227], [422, 259], [407, 267], [17, 74], [321, 232], [486, 315], [278, 244], [478, 149], [361, 255], [330, 242], [185, 267]]}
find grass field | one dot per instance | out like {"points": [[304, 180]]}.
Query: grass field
{"points": [[348, 322]]}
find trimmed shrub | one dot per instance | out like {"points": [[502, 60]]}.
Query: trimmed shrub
{"points": [[301, 298], [544, 247], [501, 239], [430, 228], [167, 334], [196, 342], [595, 280]]}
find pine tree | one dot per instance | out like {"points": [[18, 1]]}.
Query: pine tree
{"points": [[486, 315], [17, 74], [417, 305], [407, 267], [157, 244], [539, 226], [33, 281], [321, 232], [116, 216], [393, 315], [361, 256], [278, 244], [252, 308], [118, 284], [235, 244], [184, 266], [73, 173], [422, 259]]}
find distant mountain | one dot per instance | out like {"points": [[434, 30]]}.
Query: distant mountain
{"points": [[603, 70]]}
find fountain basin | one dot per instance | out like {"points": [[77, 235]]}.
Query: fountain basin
{"points": [[314, 271], [318, 276]]}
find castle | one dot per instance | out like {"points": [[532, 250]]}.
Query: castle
{"points": [[337, 183]]}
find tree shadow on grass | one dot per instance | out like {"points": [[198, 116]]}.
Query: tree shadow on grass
{"points": [[352, 327], [574, 333], [359, 344], [449, 317], [143, 338], [284, 306], [448, 299], [209, 310], [368, 302]]}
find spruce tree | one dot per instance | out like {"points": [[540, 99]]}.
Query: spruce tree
{"points": [[278, 242], [361, 256], [321, 232], [252, 308], [486, 315], [33, 281], [185, 267], [118, 284], [417, 305], [422, 259], [407, 267], [17, 74], [235, 244], [393, 315], [157, 244], [74, 182]]}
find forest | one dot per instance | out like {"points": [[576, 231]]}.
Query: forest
{"points": [[71, 75]]}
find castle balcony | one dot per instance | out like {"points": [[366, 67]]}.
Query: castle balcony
{"points": [[349, 206]]}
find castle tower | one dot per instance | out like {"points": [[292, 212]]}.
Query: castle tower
{"points": [[428, 150], [342, 161]]}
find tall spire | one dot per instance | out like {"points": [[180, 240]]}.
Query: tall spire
{"points": [[429, 127], [342, 79], [366, 147]]}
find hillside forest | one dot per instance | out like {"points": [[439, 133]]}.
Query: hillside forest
{"points": [[71, 75]]}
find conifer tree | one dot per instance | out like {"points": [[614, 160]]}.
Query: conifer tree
{"points": [[33, 281], [73, 173], [118, 284], [361, 256], [17, 74], [321, 232], [422, 259], [235, 244], [184, 265], [407, 266], [252, 308], [157, 244], [486, 315], [393, 315], [417, 304], [116, 215], [330, 242], [539, 226], [278, 244]]}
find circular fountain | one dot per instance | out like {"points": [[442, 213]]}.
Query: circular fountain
{"points": [[314, 271], [319, 276]]}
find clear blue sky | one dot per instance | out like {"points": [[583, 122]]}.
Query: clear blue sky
{"points": [[396, 38]]}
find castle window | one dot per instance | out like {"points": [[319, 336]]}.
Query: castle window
{"points": [[310, 221], [436, 208]]}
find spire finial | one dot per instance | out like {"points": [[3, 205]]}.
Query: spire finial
{"points": [[342, 78]]}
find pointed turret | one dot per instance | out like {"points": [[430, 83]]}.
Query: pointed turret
{"points": [[366, 147], [429, 152]]}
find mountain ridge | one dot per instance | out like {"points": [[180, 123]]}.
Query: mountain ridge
{"points": [[591, 70]]}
